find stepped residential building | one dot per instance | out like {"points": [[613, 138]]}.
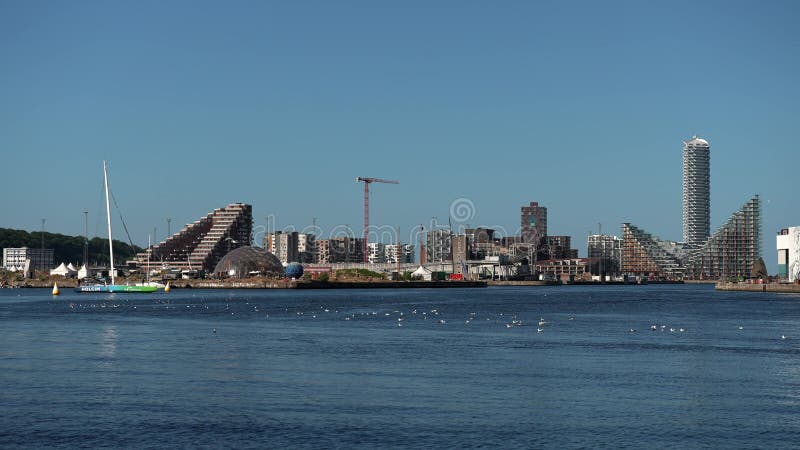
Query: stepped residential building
{"points": [[733, 250], [645, 255], [696, 192], [200, 245]]}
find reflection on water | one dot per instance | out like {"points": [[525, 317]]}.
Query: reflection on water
{"points": [[428, 368], [108, 345]]}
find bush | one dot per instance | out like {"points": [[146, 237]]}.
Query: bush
{"points": [[322, 277], [360, 273]]}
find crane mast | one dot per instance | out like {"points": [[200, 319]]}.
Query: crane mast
{"points": [[367, 181]]}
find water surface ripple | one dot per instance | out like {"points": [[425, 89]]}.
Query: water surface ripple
{"points": [[405, 368]]}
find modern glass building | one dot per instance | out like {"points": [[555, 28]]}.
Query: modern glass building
{"points": [[696, 192]]}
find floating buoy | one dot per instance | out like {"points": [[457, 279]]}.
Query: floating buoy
{"points": [[166, 288], [55, 289]]}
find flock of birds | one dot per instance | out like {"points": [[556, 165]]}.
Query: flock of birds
{"points": [[401, 318]]}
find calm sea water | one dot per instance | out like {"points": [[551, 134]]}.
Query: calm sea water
{"points": [[404, 368]]}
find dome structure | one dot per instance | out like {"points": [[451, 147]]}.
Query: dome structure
{"points": [[243, 260], [294, 270]]}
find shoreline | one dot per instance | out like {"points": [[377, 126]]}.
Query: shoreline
{"points": [[278, 284], [353, 284], [785, 288]]}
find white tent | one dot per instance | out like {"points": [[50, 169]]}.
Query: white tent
{"points": [[63, 271], [423, 273], [72, 268], [27, 272], [84, 272]]}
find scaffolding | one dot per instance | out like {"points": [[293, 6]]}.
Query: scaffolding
{"points": [[732, 251]]}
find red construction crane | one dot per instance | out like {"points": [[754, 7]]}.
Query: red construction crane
{"points": [[367, 181]]}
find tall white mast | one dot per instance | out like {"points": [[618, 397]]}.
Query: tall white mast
{"points": [[150, 250], [108, 218]]}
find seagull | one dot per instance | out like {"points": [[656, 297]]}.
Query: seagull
{"points": [[741, 327], [783, 336], [632, 330], [214, 330], [539, 330]]}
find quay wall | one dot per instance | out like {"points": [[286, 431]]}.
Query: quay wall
{"points": [[766, 287]]}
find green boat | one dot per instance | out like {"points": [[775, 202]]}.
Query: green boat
{"points": [[115, 288]]}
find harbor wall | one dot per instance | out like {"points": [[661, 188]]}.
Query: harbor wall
{"points": [[766, 287]]}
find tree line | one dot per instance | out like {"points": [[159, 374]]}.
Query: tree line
{"points": [[69, 249]]}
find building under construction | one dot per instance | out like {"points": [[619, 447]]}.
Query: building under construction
{"points": [[647, 256], [200, 245], [732, 251]]}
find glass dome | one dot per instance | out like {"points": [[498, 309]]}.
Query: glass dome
{"points": [[244, 260]]}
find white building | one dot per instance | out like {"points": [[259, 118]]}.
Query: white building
{"points": [[306, 247], [437, 247], [284, 245], [696, 192], [406, 253], [788, 245], [376, 253], [14, 258]]}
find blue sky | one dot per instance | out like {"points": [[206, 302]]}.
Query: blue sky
{"points": [[581, 106]]}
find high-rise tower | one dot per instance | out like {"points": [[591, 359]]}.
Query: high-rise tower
{"points": [[696, 192], [534, 223]]}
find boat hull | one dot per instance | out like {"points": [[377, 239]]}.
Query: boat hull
{"points": [[115, 288]]}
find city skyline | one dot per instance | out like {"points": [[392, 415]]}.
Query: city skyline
{"points": [[282, 106]]}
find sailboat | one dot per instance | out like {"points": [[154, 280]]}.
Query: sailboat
{"points": [[112, 287], [147, 281]]}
